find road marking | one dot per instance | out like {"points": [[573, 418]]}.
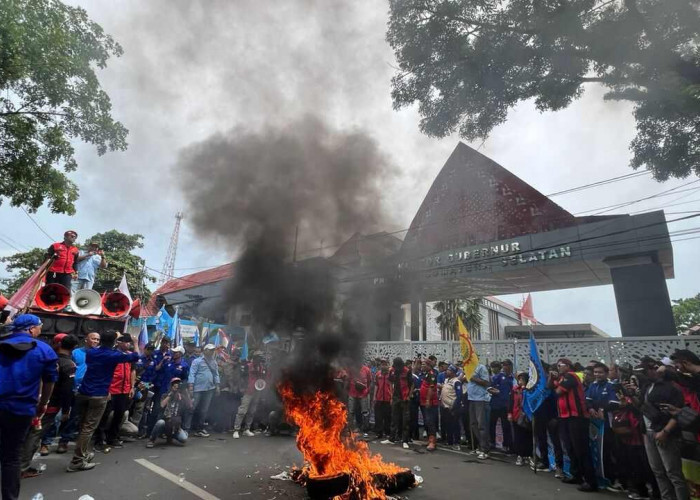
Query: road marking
{"points": [[195, 490]]}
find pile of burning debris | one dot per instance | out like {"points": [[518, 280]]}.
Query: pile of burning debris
{"points": [[337, 465]]}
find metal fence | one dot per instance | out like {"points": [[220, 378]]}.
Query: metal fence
{"points": [[608, 350]]}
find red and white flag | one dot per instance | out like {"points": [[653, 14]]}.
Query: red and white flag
{"points": [[124, 288], [24, 297]]}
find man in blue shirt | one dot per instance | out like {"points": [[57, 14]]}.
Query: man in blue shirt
{"points": [[503, 381], [203, 383], [601, 401], [92, 340], [92, 395], [28, 371], [479, 397], [92, 260]]}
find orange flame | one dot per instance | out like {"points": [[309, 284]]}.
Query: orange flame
{"points": [[329, 450]]}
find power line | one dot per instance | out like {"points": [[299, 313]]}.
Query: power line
{"points": [[37, 225], [600, 183]]}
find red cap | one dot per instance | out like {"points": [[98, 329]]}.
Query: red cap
{"points": [[58, 337]]}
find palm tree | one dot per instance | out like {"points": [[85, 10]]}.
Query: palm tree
{"points": [[467, 309]]}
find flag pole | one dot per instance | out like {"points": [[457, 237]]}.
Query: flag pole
{"points": [[534, 435]]}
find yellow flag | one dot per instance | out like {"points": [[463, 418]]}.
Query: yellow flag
{"points": [[469, 356]]}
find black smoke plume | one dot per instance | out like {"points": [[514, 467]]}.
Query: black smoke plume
{"points": [[261, 190]]}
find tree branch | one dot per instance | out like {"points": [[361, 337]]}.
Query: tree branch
{"points": [[49, 113]]}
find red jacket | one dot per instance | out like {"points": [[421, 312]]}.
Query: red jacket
{"points": [[428, 389], [383, 387], [65, 257], [365, 379], [572, 401], [121, 380], [516, 403]]}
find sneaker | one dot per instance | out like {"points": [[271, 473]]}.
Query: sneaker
{"points": [[482, 455], [201, 434], [456, 447], [150, 444], [248, 433], [519, 461], [236, 435], [80, 467], [406, 447], [387, 441], [103, 448], [572, 480], [540, 467], [62, 448], [587, 488], [616, 487], [116, 444], [44, 450], [559, 473], [636, 496], [90, 457]]}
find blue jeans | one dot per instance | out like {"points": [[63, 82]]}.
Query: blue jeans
{"points": [[159, 428], [200, 406]]}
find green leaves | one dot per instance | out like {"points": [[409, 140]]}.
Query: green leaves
{"points": [[468, 62], [686, 313], [51, 94], [467, 309]]}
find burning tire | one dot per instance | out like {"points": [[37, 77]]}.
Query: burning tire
{"points": [[324, 487]]}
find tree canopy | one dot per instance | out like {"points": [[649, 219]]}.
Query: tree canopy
{"points": [[467, 62], [118, 249], [50, 94], [467, 309], [686, 313]]}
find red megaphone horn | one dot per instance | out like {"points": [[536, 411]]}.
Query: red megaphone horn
{"points": [[52, 297], [115, 304], [135, 311], [3, 301]]}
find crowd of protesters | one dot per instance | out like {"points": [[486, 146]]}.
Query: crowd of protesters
{"points": [[102, 395], [649, 414]]}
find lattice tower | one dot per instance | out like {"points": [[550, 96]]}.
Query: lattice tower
{"points": [[169, 265]]}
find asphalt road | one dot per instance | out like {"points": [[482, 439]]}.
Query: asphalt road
{"points": [[223, 468]]}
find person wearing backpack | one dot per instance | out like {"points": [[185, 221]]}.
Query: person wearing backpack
{"points": [[28, 371]]}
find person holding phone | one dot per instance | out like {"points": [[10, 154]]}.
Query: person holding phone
{"points": [[662, 439], [88, 262]]}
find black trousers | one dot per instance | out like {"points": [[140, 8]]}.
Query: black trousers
{"points": [[154, 413], [120, 404], [415, 408], [522, 440], [60, 278], [382, 418], [636, 472], [401, 420], [501, 413], [451, 425], [13, 431], [574, 438], [543, 426]]}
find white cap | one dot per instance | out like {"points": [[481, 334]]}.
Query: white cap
{"points": [[666, 361], [209, 346], [179, 349]]}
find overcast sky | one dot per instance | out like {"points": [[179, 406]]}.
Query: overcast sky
{"points": [[193, 69]]}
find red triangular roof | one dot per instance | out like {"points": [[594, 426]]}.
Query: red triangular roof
{"points": [[474, 200]]}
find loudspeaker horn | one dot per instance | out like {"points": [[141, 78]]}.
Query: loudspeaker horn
{"points": [[135, 311], [52, 297], [115, 304], [86, 302]]}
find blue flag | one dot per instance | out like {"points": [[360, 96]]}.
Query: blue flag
{"points": [[163, 321], [244, 349], [536, 390], [174, 332], [143, 337]]}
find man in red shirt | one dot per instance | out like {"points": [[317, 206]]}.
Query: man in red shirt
{"points": [[382, 400], [64, 254], [573, 424], [358, 402]]}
